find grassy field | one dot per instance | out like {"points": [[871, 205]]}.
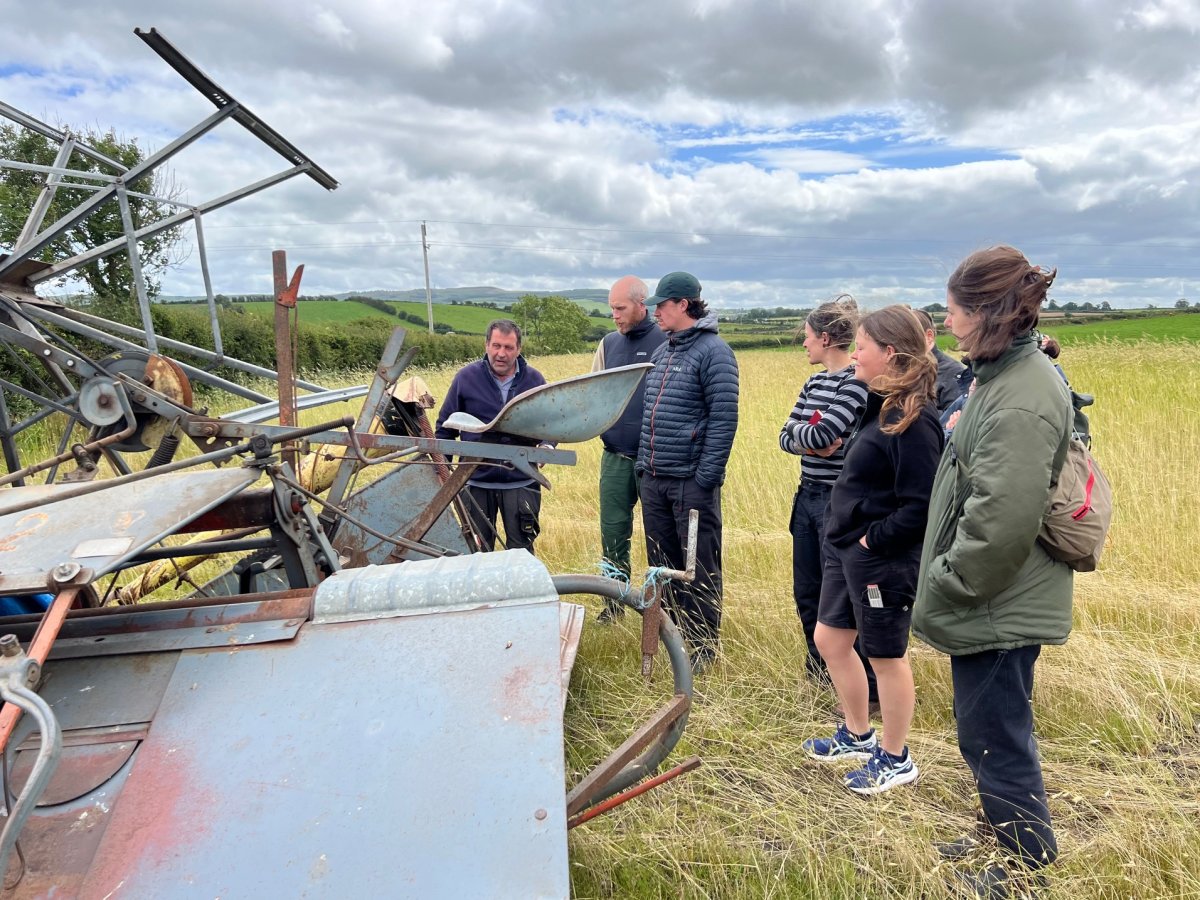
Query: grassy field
{"points": [[1118, 707], [463, 319]]}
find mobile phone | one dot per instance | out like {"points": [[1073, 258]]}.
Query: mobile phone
{"points": [[874, 597]]}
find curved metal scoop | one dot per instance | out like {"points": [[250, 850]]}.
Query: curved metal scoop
{"points": [[572, 410]]}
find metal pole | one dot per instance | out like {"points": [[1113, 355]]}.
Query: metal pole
{"points": [[208, 291], [82, 259], [428, 292], [38, 214], [135, 263], [284, 363]]}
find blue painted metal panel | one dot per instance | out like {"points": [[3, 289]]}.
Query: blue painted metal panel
{"points": [[418, 755]]}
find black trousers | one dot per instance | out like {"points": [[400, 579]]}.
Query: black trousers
{"points": [[695, 607], [518, 509], [807, 527], [992, 692]]}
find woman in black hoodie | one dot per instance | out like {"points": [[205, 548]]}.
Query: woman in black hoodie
{"points": [[873, 540]]}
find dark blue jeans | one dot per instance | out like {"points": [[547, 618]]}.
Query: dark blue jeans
{"points": [[992, 692]]}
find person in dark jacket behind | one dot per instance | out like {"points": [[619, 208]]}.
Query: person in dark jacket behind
{"points": [[949, 369], [989, 595], [688, 424], [634, 341], [482, 388], [872, 546]]}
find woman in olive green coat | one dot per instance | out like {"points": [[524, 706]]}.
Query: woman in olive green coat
{"points": [[988, 594]]}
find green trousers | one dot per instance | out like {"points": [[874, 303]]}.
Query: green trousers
{"points": [[618, 497]]}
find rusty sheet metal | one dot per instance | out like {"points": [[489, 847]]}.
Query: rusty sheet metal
{"points": [[88, 760], [415, 756], [387, 505], [570, 627], [572, 410], [103, 705], [176, 625], [34, 541]]}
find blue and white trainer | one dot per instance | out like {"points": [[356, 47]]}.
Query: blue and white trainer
{"points": [[882, 771], [844, 744]]}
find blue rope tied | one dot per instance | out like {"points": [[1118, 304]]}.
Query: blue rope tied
{"points": [[636, 598]]}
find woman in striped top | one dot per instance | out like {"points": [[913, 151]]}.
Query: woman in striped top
{"points": [[827, 410]]}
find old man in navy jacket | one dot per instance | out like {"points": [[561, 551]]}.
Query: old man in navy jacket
{"points": [[482, 388]]}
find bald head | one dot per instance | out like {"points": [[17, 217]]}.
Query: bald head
{"points": [[627, 300]]}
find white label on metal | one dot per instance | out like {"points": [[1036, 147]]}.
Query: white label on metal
{"points": [[102, 547]]}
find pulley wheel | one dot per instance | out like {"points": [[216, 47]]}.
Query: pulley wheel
{"points": [[162, 375], [99, 402]]}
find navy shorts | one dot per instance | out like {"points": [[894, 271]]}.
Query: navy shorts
{"points": [[882, 631]]}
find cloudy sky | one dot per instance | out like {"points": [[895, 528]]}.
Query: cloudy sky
{"points": [[782, 151]]}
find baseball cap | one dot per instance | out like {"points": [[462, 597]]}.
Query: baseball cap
{"points": [[676, 286]]}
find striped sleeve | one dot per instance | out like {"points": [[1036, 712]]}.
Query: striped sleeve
{"points": [[840, 399]]}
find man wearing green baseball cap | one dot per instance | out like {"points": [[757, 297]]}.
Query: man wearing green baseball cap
{"points": [[688, 423]]}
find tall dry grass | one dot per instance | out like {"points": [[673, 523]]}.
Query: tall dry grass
{"points": [[1118, 707]]}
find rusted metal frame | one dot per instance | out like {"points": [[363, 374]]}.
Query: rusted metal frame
{"points": [[681, 673], [202, 548], [250, 508], [12, 458], [386, 373], [204, 459], [38, 213], [193, 372], [27, 121], [579, 798], [53, 405], [87, 207], [340, 513], [285, 363], [295, 522], [221, 98], [167, 614], [18, 674], [66, 455], [81, 259], [509, 453], [86, 325], [437, 505], [198, 221], [25, 327], [135, 264], [39, 651], [688, 765], [46, 353]]}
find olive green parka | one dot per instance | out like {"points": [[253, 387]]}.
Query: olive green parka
{"points": [[985, 582]]}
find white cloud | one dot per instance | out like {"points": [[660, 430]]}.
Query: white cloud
{"points": [[753, 143]]}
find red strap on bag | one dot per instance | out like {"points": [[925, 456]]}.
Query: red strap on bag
{"points": [[1087, 494]]}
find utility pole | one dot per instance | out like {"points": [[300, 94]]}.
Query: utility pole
{"points": [[428, 292]]}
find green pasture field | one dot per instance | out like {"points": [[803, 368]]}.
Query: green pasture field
{"points": [[1165, 326], [463, 319]]}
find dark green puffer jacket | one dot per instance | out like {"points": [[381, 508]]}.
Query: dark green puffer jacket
{"points": [[985, 582]]}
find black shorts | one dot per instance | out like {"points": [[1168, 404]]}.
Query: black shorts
{"points": [[882, 631]]}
